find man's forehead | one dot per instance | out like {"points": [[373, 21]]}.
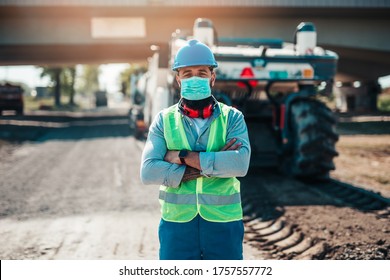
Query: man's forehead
{"points": [[195, 68]]}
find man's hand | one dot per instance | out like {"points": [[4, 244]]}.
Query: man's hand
{"points": [[172, 157], [230, 146], [192, 171], [192, 158], [190, 174]]}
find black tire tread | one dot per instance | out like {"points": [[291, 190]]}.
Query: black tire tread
{"points": [[314, 138]]}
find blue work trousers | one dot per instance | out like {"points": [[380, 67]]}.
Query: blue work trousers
{"points": [[201, 240]]}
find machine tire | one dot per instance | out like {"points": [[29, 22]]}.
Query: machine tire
{"points": [[313, 131]]}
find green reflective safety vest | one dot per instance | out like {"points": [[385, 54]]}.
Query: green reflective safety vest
{"points": [[214, 199]]}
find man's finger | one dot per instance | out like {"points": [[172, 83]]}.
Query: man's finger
{"points": [[166, 157], [229, 144], [235, 147], [170, 156]]}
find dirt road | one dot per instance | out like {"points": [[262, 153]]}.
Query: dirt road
{"points": [[74, 193], [70, 189], [72, 196]]}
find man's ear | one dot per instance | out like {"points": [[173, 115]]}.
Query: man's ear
{"points": [[178, 80], [212, 79]]}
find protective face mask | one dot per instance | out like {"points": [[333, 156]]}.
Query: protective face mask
{"points": [[195, 88]]}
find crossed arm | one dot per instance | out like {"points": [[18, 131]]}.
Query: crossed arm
{"points": [[162, 167], [193, 162]]}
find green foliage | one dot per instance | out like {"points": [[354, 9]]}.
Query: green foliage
{"points": [[62, 79], [66, 80], [51, 73], [47, 103], [134, 69], [384, 102], [88, 81], [68, 76]]}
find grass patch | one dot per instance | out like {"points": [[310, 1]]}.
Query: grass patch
{"points": [[384, 102], [34, 104]]}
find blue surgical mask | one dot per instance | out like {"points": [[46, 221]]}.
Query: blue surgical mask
{"points": [[195, 88]]}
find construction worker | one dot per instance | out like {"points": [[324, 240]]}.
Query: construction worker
{"points": [[194, 150]]}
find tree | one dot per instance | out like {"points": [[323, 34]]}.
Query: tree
{"points": [[54, 74], [134, 69], [68, 78], [89, 79], [63, 79]]}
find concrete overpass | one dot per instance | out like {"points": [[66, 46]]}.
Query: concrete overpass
{"points": [[37, 32]]}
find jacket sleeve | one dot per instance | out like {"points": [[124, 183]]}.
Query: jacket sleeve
{"points": [[154, 170], [229, 163]]}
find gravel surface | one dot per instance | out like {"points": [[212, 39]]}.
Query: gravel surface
{"points": [[73, 192], [364, 160]]}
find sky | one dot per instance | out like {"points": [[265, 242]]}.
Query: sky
{"points": [[384, 81], [110, 75], [30, 75]]}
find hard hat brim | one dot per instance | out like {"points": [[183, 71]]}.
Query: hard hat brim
{"points": [[177, 67]]}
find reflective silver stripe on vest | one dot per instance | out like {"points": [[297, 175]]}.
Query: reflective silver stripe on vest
{"points": [[178, 198], [205, 199], [210, 199]]}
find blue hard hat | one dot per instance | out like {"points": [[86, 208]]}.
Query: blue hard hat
{"points": [[194, 53]]}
